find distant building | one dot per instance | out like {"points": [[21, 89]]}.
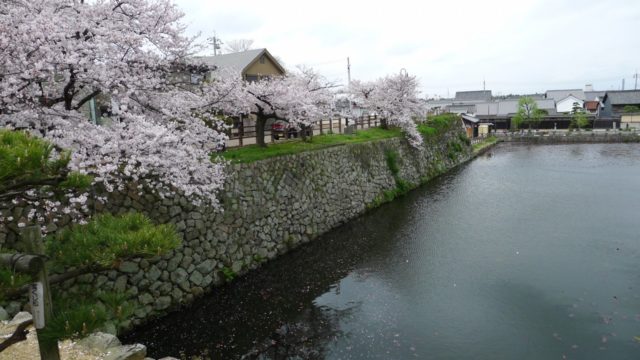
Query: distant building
{"points": [[438, 106], [593, 95], [567, 104], [251, 65], [614, 102], [630, 121], [465, 101], [558, 95], [472, 96], [510, 107], [470, 123], [592, 107], [461, 108]]}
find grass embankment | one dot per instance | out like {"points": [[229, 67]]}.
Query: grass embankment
{"points": [[490, 141], [434, 126], [254, 152]]}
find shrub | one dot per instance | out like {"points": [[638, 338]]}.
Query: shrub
{"points": [[427, 131], [27, 158], [228, 274], [402, 186], [442, 121], [11, 281], [107, 239], [74, 322], [116, 305], [392, 161], [464, 139]]}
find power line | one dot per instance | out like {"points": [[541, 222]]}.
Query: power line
{"points": [[216, 42]]}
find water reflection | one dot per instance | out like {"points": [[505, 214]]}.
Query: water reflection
{"points": [[528, 253], [280, 298], [307, 338]]}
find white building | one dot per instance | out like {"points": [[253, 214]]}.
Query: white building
{"points": [[566, 105]]}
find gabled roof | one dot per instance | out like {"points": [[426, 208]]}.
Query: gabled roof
{"points": [[239, 61], [570, 97], [479, 95], [623, 97], [592, 95], [558, 95], [470, 118]]}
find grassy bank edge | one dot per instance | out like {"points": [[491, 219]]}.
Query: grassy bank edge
{"points": [[253, 153], [485, 144]]}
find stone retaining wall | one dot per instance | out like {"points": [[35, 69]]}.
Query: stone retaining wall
{"points": [[270, 206]]}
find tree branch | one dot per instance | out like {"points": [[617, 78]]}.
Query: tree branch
{"points": [[86, 98], [17, 188], [20, 334]]}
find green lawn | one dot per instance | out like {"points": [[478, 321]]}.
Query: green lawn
{"points": [[253, 152]]}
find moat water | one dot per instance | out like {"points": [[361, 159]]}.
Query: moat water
{"points": [[527, 252]]}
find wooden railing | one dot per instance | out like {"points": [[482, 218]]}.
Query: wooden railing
{"points": [[243, 135]]}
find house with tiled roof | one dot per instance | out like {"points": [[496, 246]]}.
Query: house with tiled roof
{"points": [[614, 102], [465, 101], [510, 107], [567, 104], [472, 96], [592, 107], [593, 95], [558, 95], [251, 65]]}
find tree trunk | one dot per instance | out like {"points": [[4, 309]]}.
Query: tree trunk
{"points": [[384, 123], [304, 129], [261, 122]]}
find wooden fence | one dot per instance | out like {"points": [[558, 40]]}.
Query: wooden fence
{"points": [[244, 134]]}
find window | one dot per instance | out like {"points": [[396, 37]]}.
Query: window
{"points": [[251, 78], [262, 59]]}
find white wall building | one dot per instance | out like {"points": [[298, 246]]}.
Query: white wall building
{"points": [[566, 105]]}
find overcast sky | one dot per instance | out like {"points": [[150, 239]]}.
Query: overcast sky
{"points": [[452, 45]]}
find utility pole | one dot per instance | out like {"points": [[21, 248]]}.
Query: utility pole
{"points": [[623, 84], [484, 85], [635, 87], [348, 71], [215, 41]]}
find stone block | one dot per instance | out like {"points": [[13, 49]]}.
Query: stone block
{"points": [[100, 341], [127, 352], [179, 275], [121, 284], [162, 303], [196, 278], [129, 267]]}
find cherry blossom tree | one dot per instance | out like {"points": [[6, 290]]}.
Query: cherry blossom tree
{"points": [[57, 56], [300, 98], [395, 99]]}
